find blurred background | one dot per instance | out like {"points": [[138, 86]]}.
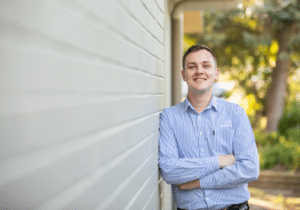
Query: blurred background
{"points": [[82, 84], [257, 46], [258, 52]]}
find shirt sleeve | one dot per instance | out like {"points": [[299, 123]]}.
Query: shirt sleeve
{"points": [[175, 170], [246, 167]]}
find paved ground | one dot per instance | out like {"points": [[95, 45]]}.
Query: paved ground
{"points": [[272, 199], [252, 207], [256, 204]]}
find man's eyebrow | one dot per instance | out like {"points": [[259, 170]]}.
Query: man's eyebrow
{"points": [[191, 63], [209, 62]]}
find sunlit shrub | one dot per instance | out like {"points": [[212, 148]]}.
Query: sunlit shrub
{"points": [[266, 139], [290, 118], [293, 134], [275, 149]]}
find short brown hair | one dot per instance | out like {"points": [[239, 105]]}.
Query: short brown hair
{"points": [[196, 48]]}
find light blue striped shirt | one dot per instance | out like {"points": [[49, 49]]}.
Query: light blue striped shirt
{"points": [[189, 146]]}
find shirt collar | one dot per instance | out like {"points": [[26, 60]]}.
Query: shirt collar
{"points": [[212, 104]]}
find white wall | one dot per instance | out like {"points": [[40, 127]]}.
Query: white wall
{"points": [[81, 89]]}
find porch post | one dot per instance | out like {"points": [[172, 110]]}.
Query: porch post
{"points": [[177, 41]]}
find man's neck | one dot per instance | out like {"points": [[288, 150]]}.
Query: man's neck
{"points": [[199, 101]]}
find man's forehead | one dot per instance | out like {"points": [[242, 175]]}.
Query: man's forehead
{"points": [[201, 55]]}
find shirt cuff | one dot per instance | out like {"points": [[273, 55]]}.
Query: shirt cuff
{"points": [[206, 182], [212, 164]]}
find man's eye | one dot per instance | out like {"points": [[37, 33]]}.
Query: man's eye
{"points": [[206, 66], [192, 67]]}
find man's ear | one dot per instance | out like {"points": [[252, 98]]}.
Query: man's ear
{"points": [[217, 71], [183, 75]]}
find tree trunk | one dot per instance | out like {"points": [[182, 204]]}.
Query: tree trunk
{"points": [[276, 94]]}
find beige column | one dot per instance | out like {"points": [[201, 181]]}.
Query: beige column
{"points": [[177, 41]]}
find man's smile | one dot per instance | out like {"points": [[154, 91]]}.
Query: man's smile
{"points": [[199, 79]]}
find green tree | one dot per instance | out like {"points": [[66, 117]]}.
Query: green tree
{"points": [[257, 47], [284, 19]]}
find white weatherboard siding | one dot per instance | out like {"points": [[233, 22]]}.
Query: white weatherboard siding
{"points": [[81, 88]]}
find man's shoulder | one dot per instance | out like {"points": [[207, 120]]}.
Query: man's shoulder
{"points": [[227, 105], [176, 109]]}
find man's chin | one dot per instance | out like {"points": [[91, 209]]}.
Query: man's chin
{"points": [[200, 91]]}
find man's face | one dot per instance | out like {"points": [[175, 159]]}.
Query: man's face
{"points": [[200, 71]]}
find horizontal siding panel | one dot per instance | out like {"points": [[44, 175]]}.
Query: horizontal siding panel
{"points": [[155, 11], [124, 193], [153, 202], [58, 27], [120, 21], [139, 12], [42, 128], [100, 145], [124, 135], [30, 192], [39, 71], [97, 186], [82, 87], [144, 194], [161, 5], [130, 135]]}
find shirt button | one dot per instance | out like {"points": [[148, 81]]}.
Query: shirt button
{"points": [[200, 133], [202, 150]]}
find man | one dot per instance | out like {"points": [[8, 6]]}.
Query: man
{"points": [[207, 149]]}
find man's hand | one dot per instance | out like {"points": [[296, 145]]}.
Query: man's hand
{"points": [[226, 160], [189, 185]]}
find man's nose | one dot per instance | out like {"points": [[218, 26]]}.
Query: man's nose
{"points": [[199, 69]]}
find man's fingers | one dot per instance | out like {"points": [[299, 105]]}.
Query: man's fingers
{"points": [[226, 160]]}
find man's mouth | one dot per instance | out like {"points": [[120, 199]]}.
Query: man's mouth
{"points": [[199, 79]]}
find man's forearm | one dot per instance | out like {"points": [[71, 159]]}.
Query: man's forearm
{"points": [[190, 185], [183, 170], [245, 170], [224, 161]]}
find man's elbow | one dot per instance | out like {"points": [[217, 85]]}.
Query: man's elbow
{"points": [[167, 176], [255, 172]]}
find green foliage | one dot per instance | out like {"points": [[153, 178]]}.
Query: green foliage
{"points": [[283, 153], [276, 149], [265, 139], [294, 134], [290, 118], [282, 13], [282, 147], [226, 95], [246, 44]]}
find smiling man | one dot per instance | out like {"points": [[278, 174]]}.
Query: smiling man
{"points": [[207, 149]]}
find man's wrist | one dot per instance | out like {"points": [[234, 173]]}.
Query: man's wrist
{"points": [[190, 185]]}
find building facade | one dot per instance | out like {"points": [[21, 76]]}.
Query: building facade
{"points": [[82, 84]]}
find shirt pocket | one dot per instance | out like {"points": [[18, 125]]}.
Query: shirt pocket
{"points": [[221, 142]]}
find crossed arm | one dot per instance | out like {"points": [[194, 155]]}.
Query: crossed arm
{"points": [[224, 161], [189, 173]]}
